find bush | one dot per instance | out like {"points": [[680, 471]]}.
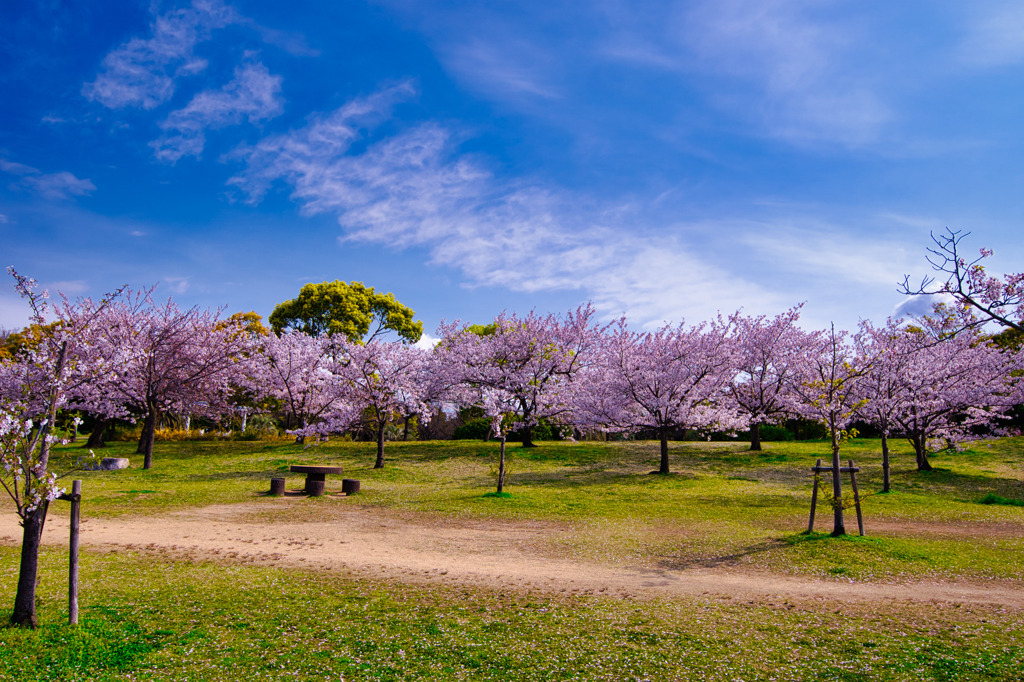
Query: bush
{"points": [[806, 429], [774, 432], [178, 435], [474, 429], [125, 432], [992, 498]]}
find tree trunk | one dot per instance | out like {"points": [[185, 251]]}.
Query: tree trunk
{"points": [[921, 453], [149, 434], [501, 466], [97, 437], [379, 464], [405, 428], [755, 436], [838, 527], [663, 469], [885, 462], [24, 614], [528, 437]]}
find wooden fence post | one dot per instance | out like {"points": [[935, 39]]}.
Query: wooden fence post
{"points": [[76, 514], [856, 498], [814, 497]]}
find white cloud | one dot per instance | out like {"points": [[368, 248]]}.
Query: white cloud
{"points": [[142, 72], [253, 94], [326, 139], [919, 306], [4, 219], [505, 69], [829, 252], [414, 189], [427, 341], [810, 88], [787, 67], [178, 285], [74, 287], [60, 185]]}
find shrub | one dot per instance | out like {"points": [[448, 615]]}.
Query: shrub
{"points": [[474, 429], [992, 498], [774, 432]]}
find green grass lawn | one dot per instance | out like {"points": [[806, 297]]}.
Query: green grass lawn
{"points": [[151, 618]]}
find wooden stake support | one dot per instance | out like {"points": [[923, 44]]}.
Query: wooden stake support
{"points": [[76, 516], [850, 469]]}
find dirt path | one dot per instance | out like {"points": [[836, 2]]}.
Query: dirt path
{"points": [[510, 555]]}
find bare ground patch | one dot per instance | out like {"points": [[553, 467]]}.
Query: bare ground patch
{"points": [[510, 555]]}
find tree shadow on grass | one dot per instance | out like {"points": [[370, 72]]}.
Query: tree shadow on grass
{"points": [[955, 484], [264, 475], [731, 558]]}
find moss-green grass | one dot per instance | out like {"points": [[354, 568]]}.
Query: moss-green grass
{"points": [[147, 618], [722, 504]]}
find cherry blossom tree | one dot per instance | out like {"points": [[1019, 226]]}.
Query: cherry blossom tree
{"points": [[385, 379], [34, 385], [170, 359], [884, 388], [953, 384], [999, 300], [768, 354], [676, 378], [828, 386], [519, 370], [304, 373]]}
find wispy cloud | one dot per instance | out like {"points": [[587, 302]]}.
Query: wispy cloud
{"points": [[994, 34], [177, 285], [830, 251], [806, 82], [507, 69], [60, 185], [73, 287], [415, 189], [253, 95], [803, 71], [326, 139], [4, 219], [142, 72]]}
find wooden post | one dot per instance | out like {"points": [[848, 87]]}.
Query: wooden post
{"points": [[856, 498], [76, 513], [315, 488], [814, 496], [349, 486], [277, 486]]}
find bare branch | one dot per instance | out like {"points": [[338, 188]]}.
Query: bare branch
{"points": [[967, 282]]}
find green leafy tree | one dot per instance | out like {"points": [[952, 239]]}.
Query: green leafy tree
{"points": [[346, 308]]}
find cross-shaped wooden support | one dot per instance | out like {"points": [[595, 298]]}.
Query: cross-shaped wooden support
{"points": [[852, 470]]}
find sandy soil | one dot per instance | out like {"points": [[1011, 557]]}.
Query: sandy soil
{"points": [[423, 549]]}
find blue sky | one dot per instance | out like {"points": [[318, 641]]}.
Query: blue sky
{"points": [[665, 160]]}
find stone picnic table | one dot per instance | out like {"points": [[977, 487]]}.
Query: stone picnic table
{"points": [[315, 476]]}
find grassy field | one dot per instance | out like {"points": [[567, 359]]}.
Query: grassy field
{"points": [[150, 617]]}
